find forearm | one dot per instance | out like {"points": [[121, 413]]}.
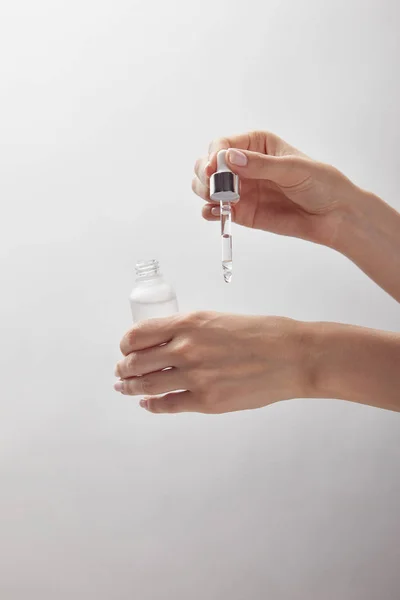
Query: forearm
{"points": [[370, 236], [354, 363]]}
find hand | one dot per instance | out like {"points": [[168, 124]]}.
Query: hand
{"points": [[215, 362], [282, 190]]}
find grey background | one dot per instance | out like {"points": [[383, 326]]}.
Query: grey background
{"points": [[104, 108]]}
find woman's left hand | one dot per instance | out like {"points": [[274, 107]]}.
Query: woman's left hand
{"points": [[213, 363]]}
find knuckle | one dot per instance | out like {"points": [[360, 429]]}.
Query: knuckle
{"points": [[331, 172], [212, 146], [132, 364], [200, 189], [137, 330], [128, 366], [258, 137], [197, 166], [129, 389], [264, 141], [184, 321], [181, 347], [206, 213], [147, 385], [126, 342], [205, 194], [194, 319], [218, 144], [185, 351], [270, 142]]}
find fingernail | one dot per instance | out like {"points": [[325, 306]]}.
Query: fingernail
{"points": [[119, 386], [144, 403], [237, 158], [216, 211], [116, 372], [207, 168]]}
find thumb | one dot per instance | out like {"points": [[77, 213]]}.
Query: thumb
{"points": [[283, 170]]}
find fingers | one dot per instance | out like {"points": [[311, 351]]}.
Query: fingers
{"points": [[239, 141], [277, 155], [236, 141], [217, 145], [144, 361], [201, 190], [211, 212], [172, 403], [152, 383], [201, 170], [254, 165], [261, 141], [207, 165], [148, 334]]}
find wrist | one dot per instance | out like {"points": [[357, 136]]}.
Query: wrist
{"points": [[322, 347], [353, 363], [369, 236], [358, 213], [367, 226], [349, 213], [338, 364], [311, 377]]}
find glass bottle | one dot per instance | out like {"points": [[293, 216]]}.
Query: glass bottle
{"points": [[151, 296]]}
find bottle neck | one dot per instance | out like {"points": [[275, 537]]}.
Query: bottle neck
{"points": [[148, 269]]}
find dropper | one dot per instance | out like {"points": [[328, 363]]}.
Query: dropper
{"points": [[224, 188]]}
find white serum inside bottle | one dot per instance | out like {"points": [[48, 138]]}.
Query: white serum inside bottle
{"points": [[151, 296]]}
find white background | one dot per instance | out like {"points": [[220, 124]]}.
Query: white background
{"points": [[105, 105]]}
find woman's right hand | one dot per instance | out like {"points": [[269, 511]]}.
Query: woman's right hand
{"points": [[285, 192], [282, 190]]}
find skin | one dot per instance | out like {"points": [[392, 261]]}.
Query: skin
{"points": [[180, 363]]}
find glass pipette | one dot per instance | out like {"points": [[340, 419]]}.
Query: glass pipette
{"points": [[224, 188], [226, 238]]}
